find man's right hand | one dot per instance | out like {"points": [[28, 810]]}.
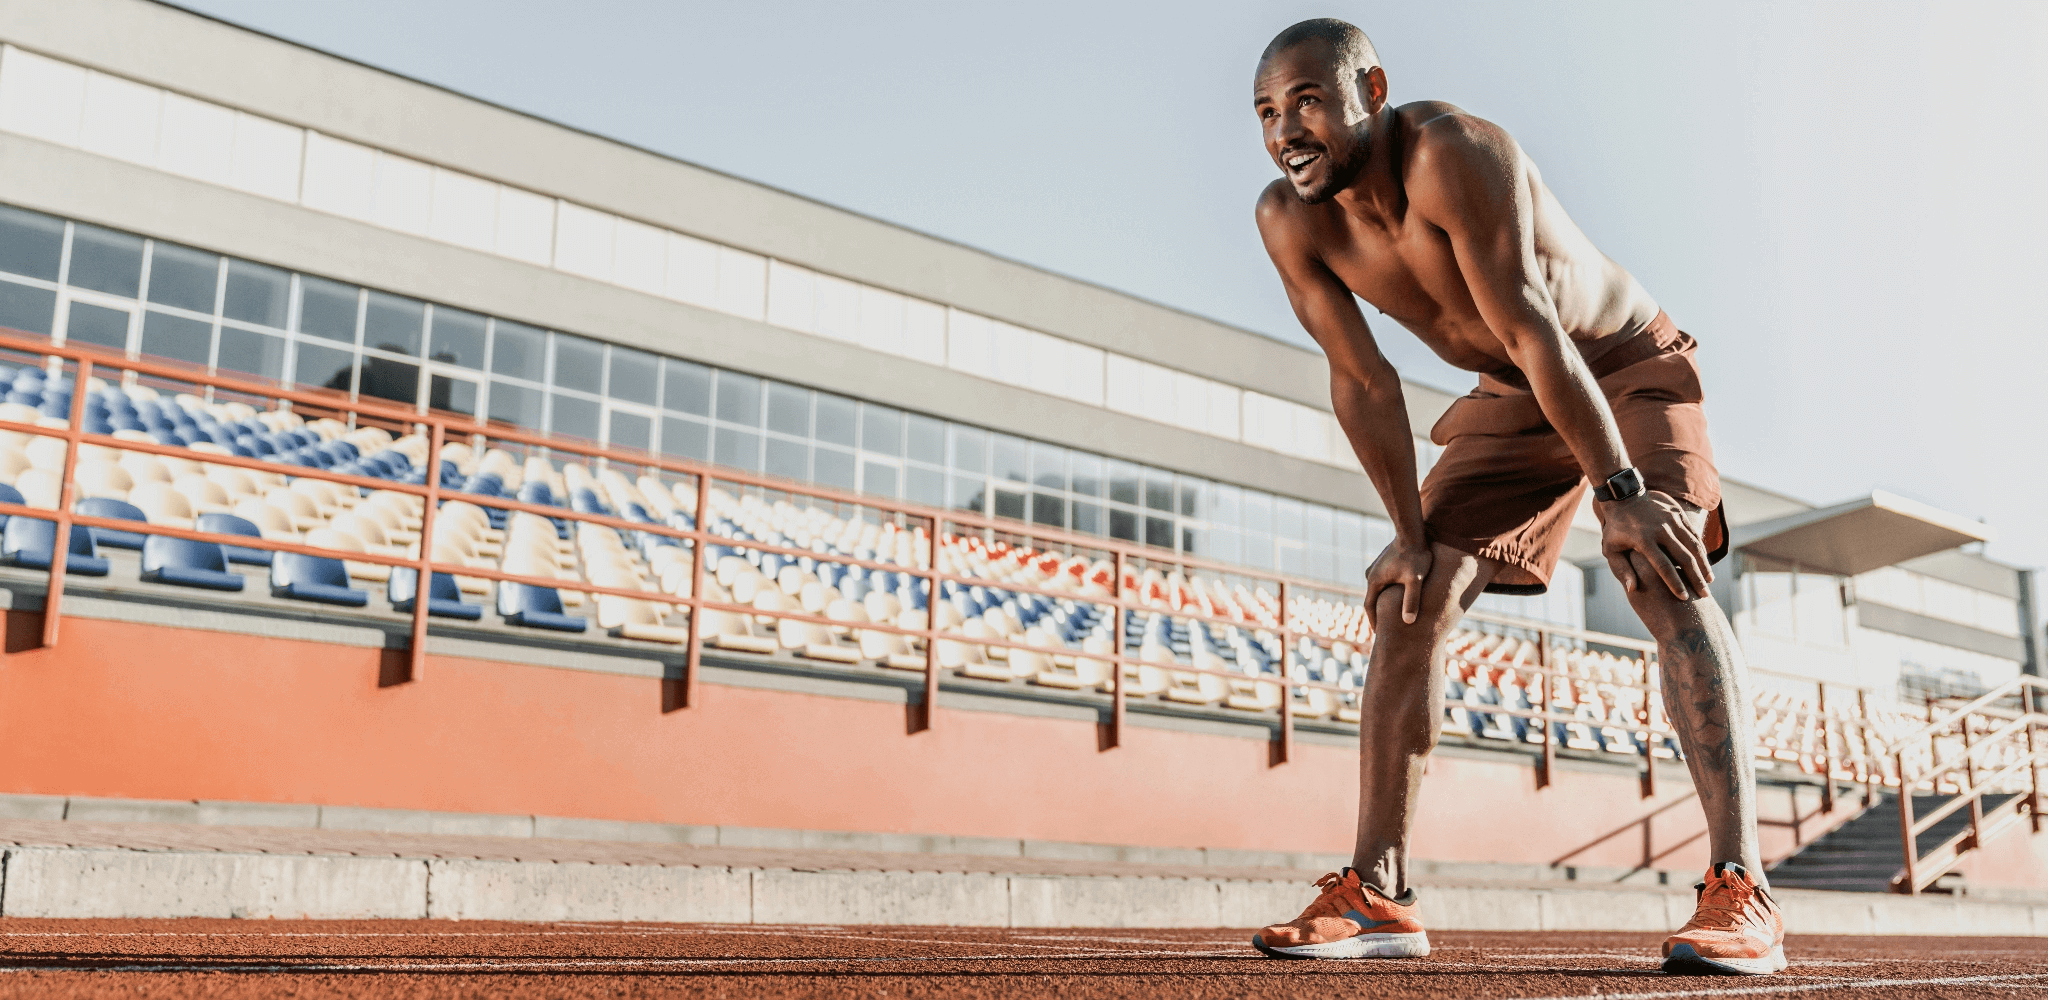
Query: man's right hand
{"points": [[1404, 565]]}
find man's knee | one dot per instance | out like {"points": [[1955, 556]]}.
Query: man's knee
{"points": [[1452, 574]]}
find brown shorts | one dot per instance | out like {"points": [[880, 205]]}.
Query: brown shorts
{"points": [[1506, 486]]}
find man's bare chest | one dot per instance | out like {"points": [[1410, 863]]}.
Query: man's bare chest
{"points": [[1409, 273]]}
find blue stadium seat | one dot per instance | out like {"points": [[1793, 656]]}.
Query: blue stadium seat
{"points": [[536, 607], [187, 563], [313, 578], [444, 598], [31, 543], [110, 507], [9, 494], [228, 524]]}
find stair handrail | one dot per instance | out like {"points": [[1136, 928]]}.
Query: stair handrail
{"points": [[1972, 788], [1999, 693]]}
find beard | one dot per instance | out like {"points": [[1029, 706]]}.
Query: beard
{"points": [[1338, 176]]}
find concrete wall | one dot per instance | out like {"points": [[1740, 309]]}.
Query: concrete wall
{"points": [[137, 711]]}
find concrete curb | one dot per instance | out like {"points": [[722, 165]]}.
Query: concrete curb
{"points": [[82, 882]]}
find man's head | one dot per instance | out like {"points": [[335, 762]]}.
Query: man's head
{"points": [[1318, 85]]}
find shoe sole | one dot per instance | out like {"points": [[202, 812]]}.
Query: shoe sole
{"points": [[1414, 945], [1684, 961]]}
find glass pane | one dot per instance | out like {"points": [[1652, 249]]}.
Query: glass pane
{"points": [[927, 439], [1123, 483], [30, 310], [1009, 504], [257, 294], [1293, 560], [1158, 490], [878, 479], [1049, 466], [515, 404], [183, 277], [970, 493], [686, 387], [739, 400], [789, 409], [788, 459], [1011, 458], [1322, 565], [105, 261], [31, 243], [250, 353], [1319, 525], [176, 337], [1159, 531], [1228, 506], [1258, 511], [1191, 491], [970, 449], [327, 309], [737, 448], [631, 430], [688, 439], [1087, 518], [832, 467], [835, 423], [1258, 551], [518, 350], [1123, 524], [1087, 471], [390, 323], [1287, 519], [1048, 510], [385, 378], [881, 430], [324, 368], [1225, 545], [575, 416], [924, 486], [633, 375], [90, 324], [579, 363], [449, 395], [458, 338]]}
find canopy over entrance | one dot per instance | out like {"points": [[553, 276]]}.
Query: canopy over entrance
{"points": [[1859, 536]]}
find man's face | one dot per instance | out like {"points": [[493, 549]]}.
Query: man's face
{"points": [[1314, 123]]}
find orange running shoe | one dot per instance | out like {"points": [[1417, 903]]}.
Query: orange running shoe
{"points": [[1736, 930], [1349, 920]]}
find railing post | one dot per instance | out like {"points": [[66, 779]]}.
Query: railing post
{"points": [[931, 622], [1286, 696], [1650, 684], [1546, 694], [1912, 849], [1827, 758], [1872, 775], [693, 655], [60, 550], [416, 656], [2033, 768], [1116, 650], [1970, 788]]}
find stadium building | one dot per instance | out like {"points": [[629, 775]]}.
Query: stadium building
{"points": [[180, 189]]}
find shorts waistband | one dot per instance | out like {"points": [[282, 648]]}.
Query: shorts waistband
{"points": [[1661, 336]]}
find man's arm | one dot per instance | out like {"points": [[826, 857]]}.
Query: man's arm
{"points": [[1472, 182], [1365, 391]]}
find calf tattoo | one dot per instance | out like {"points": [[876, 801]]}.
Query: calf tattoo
{"points": [[1706, 700]]}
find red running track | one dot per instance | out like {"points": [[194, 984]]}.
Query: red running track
{"points": [[236, 958]]}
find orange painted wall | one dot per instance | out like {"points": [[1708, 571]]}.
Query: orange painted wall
{"points": [[139, 711]]}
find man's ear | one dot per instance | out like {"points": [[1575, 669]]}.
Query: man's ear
{"points": [[1372, 89]]}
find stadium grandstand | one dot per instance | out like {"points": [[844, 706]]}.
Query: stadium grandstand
{"points": [[738, 511]]}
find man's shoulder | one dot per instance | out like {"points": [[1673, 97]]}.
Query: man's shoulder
{"points": [[1436, 129], [1278, 208]]}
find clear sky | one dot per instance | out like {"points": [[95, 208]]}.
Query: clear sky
{"points": [[1844, 203]]}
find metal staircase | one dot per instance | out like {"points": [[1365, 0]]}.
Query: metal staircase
{"points": [[1864, 854], [1971, 773]]}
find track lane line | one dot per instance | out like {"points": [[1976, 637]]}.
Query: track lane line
{"points": [[1843, 984]]}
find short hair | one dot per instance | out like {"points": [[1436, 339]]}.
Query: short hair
{"points": [[1354, 50]]}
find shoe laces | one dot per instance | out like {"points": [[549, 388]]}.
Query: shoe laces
{"points": [[1326, 904], [1725, 894]]}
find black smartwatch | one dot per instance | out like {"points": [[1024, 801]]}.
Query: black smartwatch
{"points": [[1624, 485]]}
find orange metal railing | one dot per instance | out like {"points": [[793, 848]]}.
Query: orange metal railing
{"points": [[1281, 615]]}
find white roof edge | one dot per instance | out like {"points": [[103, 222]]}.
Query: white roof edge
{"points": [[1932, 514]]}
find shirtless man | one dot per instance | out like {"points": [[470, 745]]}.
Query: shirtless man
{"points": [[1438, 219]]}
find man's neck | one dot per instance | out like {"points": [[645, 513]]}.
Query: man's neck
{"points": [[1376, 195]]}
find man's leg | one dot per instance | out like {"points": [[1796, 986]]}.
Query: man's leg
{"points": [[1706, 696], [1402, 711]]}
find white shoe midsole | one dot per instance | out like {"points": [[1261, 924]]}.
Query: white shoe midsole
{"points": [[1414, 945]]}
